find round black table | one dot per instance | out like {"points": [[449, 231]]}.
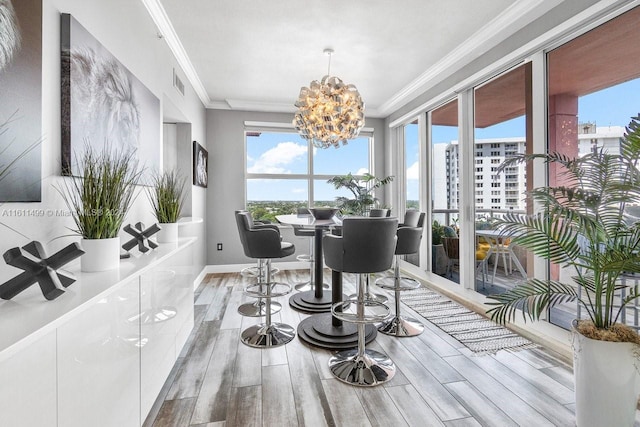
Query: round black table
{"points": [[322, 329]]}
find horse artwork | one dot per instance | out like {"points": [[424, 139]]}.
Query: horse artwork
{"points": [[20, 100], [103, 104]]}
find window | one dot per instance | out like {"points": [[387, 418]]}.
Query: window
{"points": [[495, 161], [495, 185], [495, 153], [590, 102], [479, 169], [284, 172], [443, 131], [412, 165]]}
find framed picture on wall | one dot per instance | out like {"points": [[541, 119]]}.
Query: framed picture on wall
{"points": [[200, 164], [20, 100], [104, 106]]}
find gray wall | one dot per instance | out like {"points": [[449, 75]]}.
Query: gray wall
{"points": [[125, 28], [226, 192]]}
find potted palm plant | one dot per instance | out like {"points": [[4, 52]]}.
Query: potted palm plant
{"points": [[98, 200], [583, 225], [166, 196], [362, 189]]}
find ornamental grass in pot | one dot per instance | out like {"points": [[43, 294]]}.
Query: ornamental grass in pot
{"points": [[584, 225], [98, 200], [167, 198]]}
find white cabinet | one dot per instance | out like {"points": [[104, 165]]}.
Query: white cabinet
{"points": [[28, 385], [166, 319], [99, 362], [100, 353]]}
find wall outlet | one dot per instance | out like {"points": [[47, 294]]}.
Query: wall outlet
{"points": [[219, 246]]}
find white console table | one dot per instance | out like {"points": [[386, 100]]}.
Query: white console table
{"points": [[100, 353]]}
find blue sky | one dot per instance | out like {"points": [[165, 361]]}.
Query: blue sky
{"points": [[287, 153]]}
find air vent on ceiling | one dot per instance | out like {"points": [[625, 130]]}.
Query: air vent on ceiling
{"points": [[177, 83]]}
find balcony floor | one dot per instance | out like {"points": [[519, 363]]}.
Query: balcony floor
{"points": [[219, 381]]}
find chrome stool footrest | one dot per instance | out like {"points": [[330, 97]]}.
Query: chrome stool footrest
{"points": [[348, 311], [305, 258], [254, 271], [405, 283], [267, 290]]}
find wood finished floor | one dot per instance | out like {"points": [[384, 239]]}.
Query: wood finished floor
{"points": [[218, 381]]}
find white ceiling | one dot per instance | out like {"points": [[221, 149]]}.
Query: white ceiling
{"points": [[256, 54]]}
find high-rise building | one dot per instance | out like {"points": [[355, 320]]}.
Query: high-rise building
{"points": [[499, 192]]}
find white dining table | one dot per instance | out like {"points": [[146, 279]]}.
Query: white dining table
{"points": [[496, 239]]}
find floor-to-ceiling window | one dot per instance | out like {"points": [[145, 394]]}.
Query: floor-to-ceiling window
{"points": [[412, 165], [284, 171], [593, 91], [500, 121], [445, 184]]}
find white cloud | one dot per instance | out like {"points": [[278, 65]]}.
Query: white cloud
{"points": [[299, 190], [276, 159], [413, 172], [362, 171]]}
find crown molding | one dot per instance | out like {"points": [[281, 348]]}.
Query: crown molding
{"points": [[248, 105], [481, 41], [159, 16]]}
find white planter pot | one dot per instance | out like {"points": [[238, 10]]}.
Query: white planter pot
{"points": [[607, 383], [100, 254], [168, 232]]}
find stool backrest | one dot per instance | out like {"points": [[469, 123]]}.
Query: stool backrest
{"points": [[379, 213], [409, 237], [367, 245], [413, 218]]}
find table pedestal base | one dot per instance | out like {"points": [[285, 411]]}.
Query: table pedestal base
{"points": [[319, 331], [309, 303]]}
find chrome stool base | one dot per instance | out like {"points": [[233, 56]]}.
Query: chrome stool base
{"points": [[263, 336], [258, 308], [308, 286], [368, 369], [401, 327]]}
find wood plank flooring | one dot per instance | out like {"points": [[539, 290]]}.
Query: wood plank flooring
{"points": [[218, 381]]}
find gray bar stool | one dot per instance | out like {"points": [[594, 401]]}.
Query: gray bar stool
{"points": [[257, 308], [310, 233], [265, 244], [366, 246], [408, 243]]}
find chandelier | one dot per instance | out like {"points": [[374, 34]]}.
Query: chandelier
{"points": [[330, 112]]}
